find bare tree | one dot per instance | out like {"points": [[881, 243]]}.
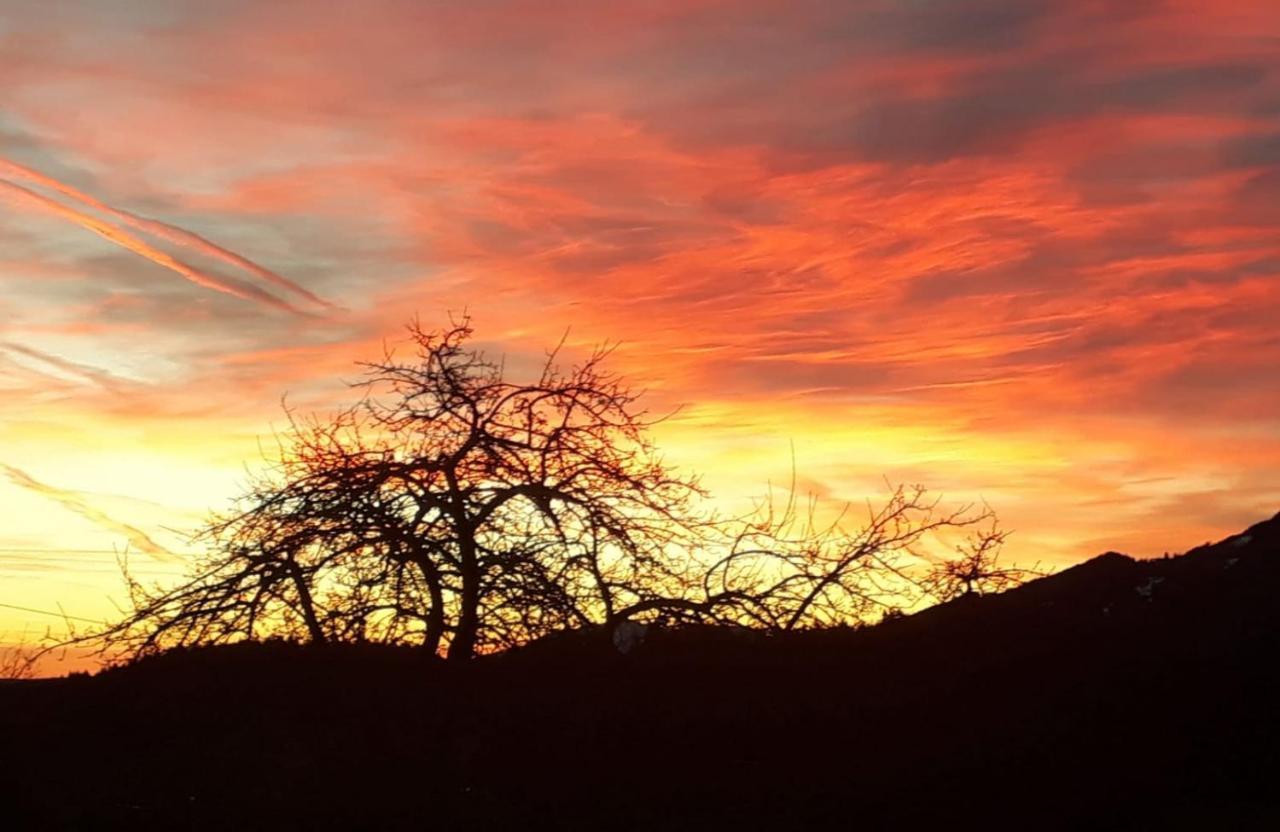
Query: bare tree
{"points": [[455, 508], [975, 570], [451, 507], [18, 660], [782, 570]]}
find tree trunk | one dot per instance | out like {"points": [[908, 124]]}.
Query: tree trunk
{"points": [[463, 645], [307, 604], [435, 616]]}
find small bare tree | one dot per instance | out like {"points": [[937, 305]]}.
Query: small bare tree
{"points": [[975, 570], [781, 570], [18, 660]]}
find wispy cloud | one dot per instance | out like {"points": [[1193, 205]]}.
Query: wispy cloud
{"points": [[74, 501]]}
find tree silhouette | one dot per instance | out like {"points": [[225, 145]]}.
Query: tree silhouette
{"points": [[450, 507], [18, 660], [455, 508], [975, 569], [782, 570]]}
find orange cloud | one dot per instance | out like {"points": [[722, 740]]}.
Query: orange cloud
{"points": [[1024, 251]]}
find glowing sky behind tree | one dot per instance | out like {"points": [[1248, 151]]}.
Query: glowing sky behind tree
{"points": [[1016, 250]]}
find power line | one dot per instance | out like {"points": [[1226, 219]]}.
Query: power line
{"points": [[16, 550], [53, 551], [34, 550], [50, 612]]}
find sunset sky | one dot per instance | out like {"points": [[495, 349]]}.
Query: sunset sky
{"points": [[1023, 251]]}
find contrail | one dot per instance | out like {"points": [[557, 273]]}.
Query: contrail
{"points": [[163, 230], [99, 377], [137, 538], [128, 241]]}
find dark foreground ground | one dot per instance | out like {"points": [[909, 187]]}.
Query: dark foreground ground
{"points": [[1074, 702]]}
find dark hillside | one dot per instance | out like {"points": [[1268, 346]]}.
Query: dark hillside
{"points": [[1116, 694]]}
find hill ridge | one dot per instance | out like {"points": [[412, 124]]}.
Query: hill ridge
{"points": [[1075, 701]]}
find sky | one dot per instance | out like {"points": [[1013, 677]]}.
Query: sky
{"points": [[1024, 252]]}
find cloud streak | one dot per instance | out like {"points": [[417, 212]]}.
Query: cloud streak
{"points": [[163, 230], [128, 241], [100, 377], [75, 502]]}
